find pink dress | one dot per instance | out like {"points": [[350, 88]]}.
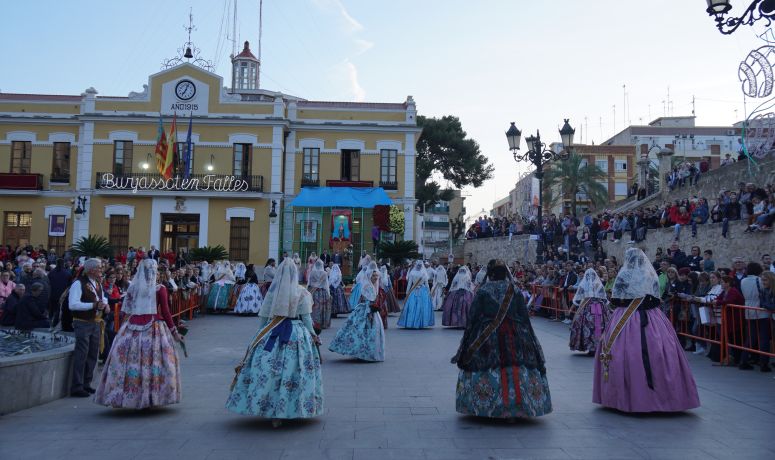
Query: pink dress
{"points": [[142, 369]]}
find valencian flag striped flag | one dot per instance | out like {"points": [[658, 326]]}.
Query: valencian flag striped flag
{"points": [[187, 153], [162, 148], [168, 165]]}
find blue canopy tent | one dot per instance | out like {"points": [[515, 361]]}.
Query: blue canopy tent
{"points": [[346, 197], [308, 226]]}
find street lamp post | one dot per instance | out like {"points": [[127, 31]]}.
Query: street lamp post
{"points": [[538, 155], [758, 9]]}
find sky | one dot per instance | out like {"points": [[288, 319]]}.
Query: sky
{"points": [[488, 62]]}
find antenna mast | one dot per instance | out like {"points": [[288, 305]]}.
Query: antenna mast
{"points": [[234, 31], [260, 26]]}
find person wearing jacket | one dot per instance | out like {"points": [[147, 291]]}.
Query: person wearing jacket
{"points": [[31, 311], [700, 215], [11, 306], [758, 321]]}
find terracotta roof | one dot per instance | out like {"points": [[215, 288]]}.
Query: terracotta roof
{"points": [[246, 52], [39, 97], [353, 105]]}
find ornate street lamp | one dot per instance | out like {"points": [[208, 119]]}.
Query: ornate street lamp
{"points": [[273, 212], [538, 155], [758, 9]]}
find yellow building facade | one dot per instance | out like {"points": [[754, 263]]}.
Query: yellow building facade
{"points": [[76, 165]]}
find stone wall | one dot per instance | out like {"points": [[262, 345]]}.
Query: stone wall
{"points": [[747, 245], [481, 251], [712, 182]]}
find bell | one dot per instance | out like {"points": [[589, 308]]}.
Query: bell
{"points": [[188, 54]]}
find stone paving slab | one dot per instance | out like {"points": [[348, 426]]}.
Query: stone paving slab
{"points": [[403, 409]]}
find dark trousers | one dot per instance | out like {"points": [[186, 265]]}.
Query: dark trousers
{"points": [[87, 347], [759, 338]]}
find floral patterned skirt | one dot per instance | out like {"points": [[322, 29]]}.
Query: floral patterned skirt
{"points": [[321, 308], [218, 298], [494, 394], [362, 336], [285, 382], [588, 325], [391, 302], [142, 369], [339, 303], [456, 307], [249, 300]]}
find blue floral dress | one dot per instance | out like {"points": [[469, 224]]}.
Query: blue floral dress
{"points": [[362, 336], [502, 372], [283, 382]]}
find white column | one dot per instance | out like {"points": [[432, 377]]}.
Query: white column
{"points": [[83, 179], [290, 164], [409, 200], [277, 188]]}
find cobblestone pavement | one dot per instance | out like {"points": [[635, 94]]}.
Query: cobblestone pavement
{"points": [[403, 409]]}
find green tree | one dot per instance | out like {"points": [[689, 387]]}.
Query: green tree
{"points": [[92, 246], [209, 254], [572, 177], [399, 251], [445, 148]]}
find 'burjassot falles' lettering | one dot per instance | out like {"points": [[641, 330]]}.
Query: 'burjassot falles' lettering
{"points": [[209, 182]]}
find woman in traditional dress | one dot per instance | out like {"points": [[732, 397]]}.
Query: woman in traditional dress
{"points": [[502, 372], [459, 299], [142, 368], [439, 284], [297, 261], [221, 287], [640, 365], [280, 377], [249, 301], [240, 271], [204, 279], [321, 297], [592, 313], [310, 265], [418, 308], [355, 294], [481, 278], [338, 300], [363, 336], [391, 303], [269, 272]]}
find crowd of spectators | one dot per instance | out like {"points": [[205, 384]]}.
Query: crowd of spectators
{"points": [[688, 281]]}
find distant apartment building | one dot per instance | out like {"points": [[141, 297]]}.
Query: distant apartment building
{"points": [[440, 223], [682, 136]]}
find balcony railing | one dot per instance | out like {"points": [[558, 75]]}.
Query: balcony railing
{"points": [[11, 181], [59, 179], [388, 185], [349, 183], [437, 225], [308, 182], [194, 183], [439, 209]]}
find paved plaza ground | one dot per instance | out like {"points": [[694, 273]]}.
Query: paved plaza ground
{"points": [[403, 408]]}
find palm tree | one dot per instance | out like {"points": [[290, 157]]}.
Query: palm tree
{"points": [[209, 253], [92, 246], [572, 177], [399, 251]]}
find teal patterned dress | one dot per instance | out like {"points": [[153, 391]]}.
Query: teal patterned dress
{"points": [[505, 376], [362, 336], [282, 379]]}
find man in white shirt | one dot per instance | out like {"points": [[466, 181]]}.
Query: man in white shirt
{"points": [[87, 302]]}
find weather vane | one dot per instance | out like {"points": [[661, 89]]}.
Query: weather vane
{"points": [[189, 52]]}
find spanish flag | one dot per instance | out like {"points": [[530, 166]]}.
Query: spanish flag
{"points": [[162, 147], [168, 164]]}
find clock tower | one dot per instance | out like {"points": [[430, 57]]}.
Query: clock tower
{"points": [[244, 71]]}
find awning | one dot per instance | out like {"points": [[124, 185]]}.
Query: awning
{"points": [[341, 197]]}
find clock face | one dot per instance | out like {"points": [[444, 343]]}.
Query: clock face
{"points": [[185, 90]]}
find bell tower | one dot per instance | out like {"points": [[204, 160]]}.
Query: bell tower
{"points": [[244, 71]]}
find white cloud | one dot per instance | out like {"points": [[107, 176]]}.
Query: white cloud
{"points": [[361, 46], [355, 87], [350, 22]]}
